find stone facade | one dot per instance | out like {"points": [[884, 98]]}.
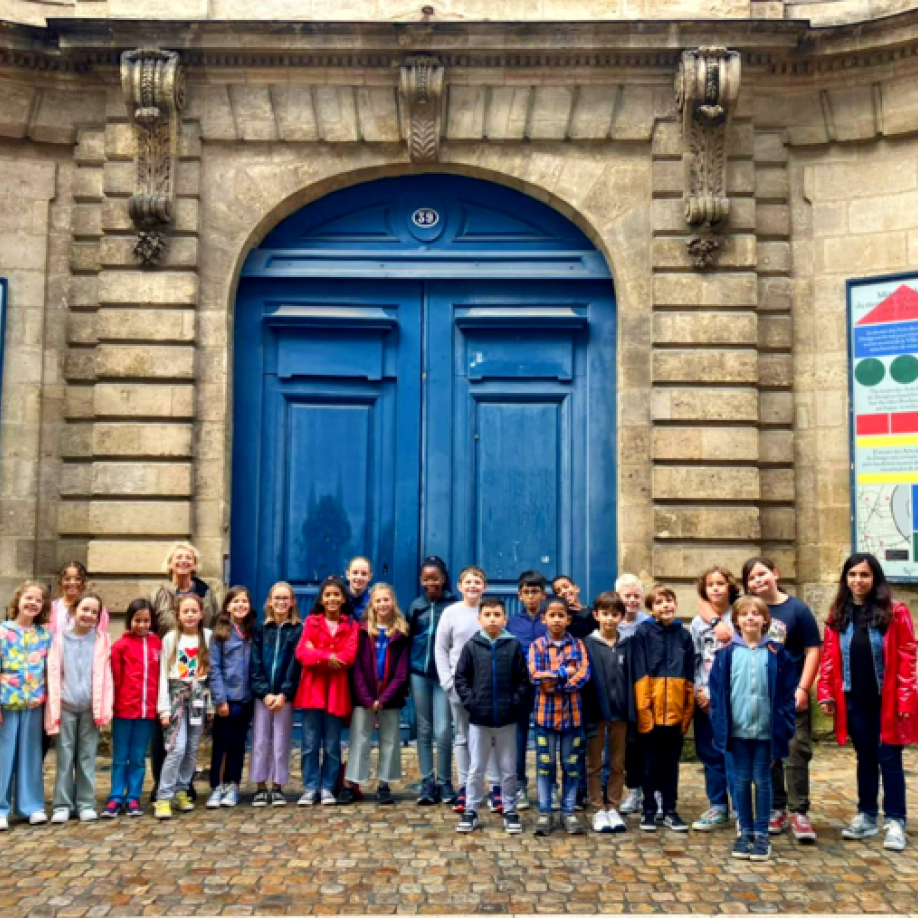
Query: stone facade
{"points": [[797, 169]]}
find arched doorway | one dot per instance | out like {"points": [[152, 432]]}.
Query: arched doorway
{"points": [[424, 365]]}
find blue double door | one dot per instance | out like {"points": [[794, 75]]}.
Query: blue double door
{"points": [[474, 420]]}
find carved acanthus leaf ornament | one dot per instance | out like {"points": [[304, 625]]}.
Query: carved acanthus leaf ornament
{"points": [[421, 88]]}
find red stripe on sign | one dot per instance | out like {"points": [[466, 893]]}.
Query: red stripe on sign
{"points": [[905, 422], [871, 424]]}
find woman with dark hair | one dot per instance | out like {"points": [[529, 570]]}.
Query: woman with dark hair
{"points": [[867, 683]]}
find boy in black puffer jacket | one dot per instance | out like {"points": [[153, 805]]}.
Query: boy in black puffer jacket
{"points": [[492, 681]]}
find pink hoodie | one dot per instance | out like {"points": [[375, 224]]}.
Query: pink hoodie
{"points": [[102, 682]]}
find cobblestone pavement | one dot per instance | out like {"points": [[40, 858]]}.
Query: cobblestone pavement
{"points": [[407, 859]]}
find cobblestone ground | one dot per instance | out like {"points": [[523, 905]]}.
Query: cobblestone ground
{"points": [[406, 859]]}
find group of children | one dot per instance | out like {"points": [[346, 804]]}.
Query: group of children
{"points": [[609, 692]]}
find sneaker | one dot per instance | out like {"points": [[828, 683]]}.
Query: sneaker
{"points": [[60, 815], [4, 824], [522, 799], [862, 826], [674, 822], [513, 825], [802, 827], [742, 847], [761, 848], [601, 823], [309, 798], [777, 822], [183, 802], [495, 800], [278, 798], [616, 823], [544, 824], [895, 835], [426, 797], [327, 798], [346, 795], [230, 795], [261, 798], [215, 798], [447, 793], [384, 795], [660, 814], [711, 820], [162, 809], [572, 824], [357, 792], [112, 810], [468, 822], [134, 808], [39, 818], [459, 801], [555, 800], [87, 815], [633, 802], [649, 821]]}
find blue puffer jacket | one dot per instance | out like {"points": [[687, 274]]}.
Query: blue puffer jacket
{"points": [[275, 669], [423, 617], [230, 669], [782, 682]]}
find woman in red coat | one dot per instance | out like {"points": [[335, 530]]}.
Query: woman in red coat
{"points": [[326, 652], [867, 682]]}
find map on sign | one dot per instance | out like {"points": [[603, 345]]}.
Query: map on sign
{"points": [[883, 317]]}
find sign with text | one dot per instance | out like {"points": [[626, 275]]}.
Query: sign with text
{"points": [[883, 354]]}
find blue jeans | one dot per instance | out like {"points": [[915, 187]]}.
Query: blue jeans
{"points": [[718, 768], [571, 745], [130, 741], [321, 732], [522, 743], [752, 765], [20, 761], [435, 727]]}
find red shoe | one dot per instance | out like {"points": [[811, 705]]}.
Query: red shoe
{"points": [[459, 803], [496, 802], [802, 828], [777, 822]]}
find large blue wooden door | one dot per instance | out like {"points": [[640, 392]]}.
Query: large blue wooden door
{"points": [[424, 366]]}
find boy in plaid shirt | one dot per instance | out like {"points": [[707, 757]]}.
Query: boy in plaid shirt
{"points": [[559, 668]]}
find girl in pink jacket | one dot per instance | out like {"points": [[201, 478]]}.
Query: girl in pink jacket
{"points": [[80, 695]]}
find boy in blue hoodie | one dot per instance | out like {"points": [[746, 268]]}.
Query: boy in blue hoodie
{"points": [[492, 681]]}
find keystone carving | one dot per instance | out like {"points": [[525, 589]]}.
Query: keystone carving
{"points": [[707, 86], [154, 92], [421, 95]]}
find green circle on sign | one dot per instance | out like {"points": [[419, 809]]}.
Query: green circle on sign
{"points": [[870, 372], [904, 369]]}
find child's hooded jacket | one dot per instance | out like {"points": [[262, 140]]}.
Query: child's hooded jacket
{"points": [[322, 687], [103, 691], [23, 655], [663, 658], [492, 680], [135, 675], [392, 690]]}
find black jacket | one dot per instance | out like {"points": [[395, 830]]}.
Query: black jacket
{"points": [[492, 680], [609, 695], [275, 670], [582, 623]]}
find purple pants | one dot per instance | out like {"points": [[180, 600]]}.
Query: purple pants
{"points": [[272, 739]]}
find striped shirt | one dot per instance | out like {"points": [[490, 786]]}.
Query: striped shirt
{"points": [[557, 703]]}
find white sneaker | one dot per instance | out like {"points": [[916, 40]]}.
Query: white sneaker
{"points": [[522, 799], [633, 802], [4, 824], [328, 798], [38, 818], [215, 798], [308, 799], [60, 816], [88, 815], [601, 822], [895, 835], [616, 823]]}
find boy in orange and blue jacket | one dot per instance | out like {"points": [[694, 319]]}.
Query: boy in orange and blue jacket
{"points": [[559, 669]]}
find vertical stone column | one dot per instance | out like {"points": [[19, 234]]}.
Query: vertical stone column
{"points": [[706, 476]]}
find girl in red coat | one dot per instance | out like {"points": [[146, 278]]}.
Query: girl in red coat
{"points": [[326, 652], [867, 682], [135, 673]]}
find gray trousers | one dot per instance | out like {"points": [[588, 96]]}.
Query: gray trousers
{"points": [[361, 747], [461, 744], [483, 743], [77, 744], [181, 757]]}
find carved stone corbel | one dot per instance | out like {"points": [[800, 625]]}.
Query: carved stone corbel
{"points": [[154, 92], [707, 86], [421, 94]]}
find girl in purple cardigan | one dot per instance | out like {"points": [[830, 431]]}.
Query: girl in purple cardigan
{"points": [[380, 690]]}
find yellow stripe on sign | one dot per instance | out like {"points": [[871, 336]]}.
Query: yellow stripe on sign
{"points": [[888, 478], [881, 442]]}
